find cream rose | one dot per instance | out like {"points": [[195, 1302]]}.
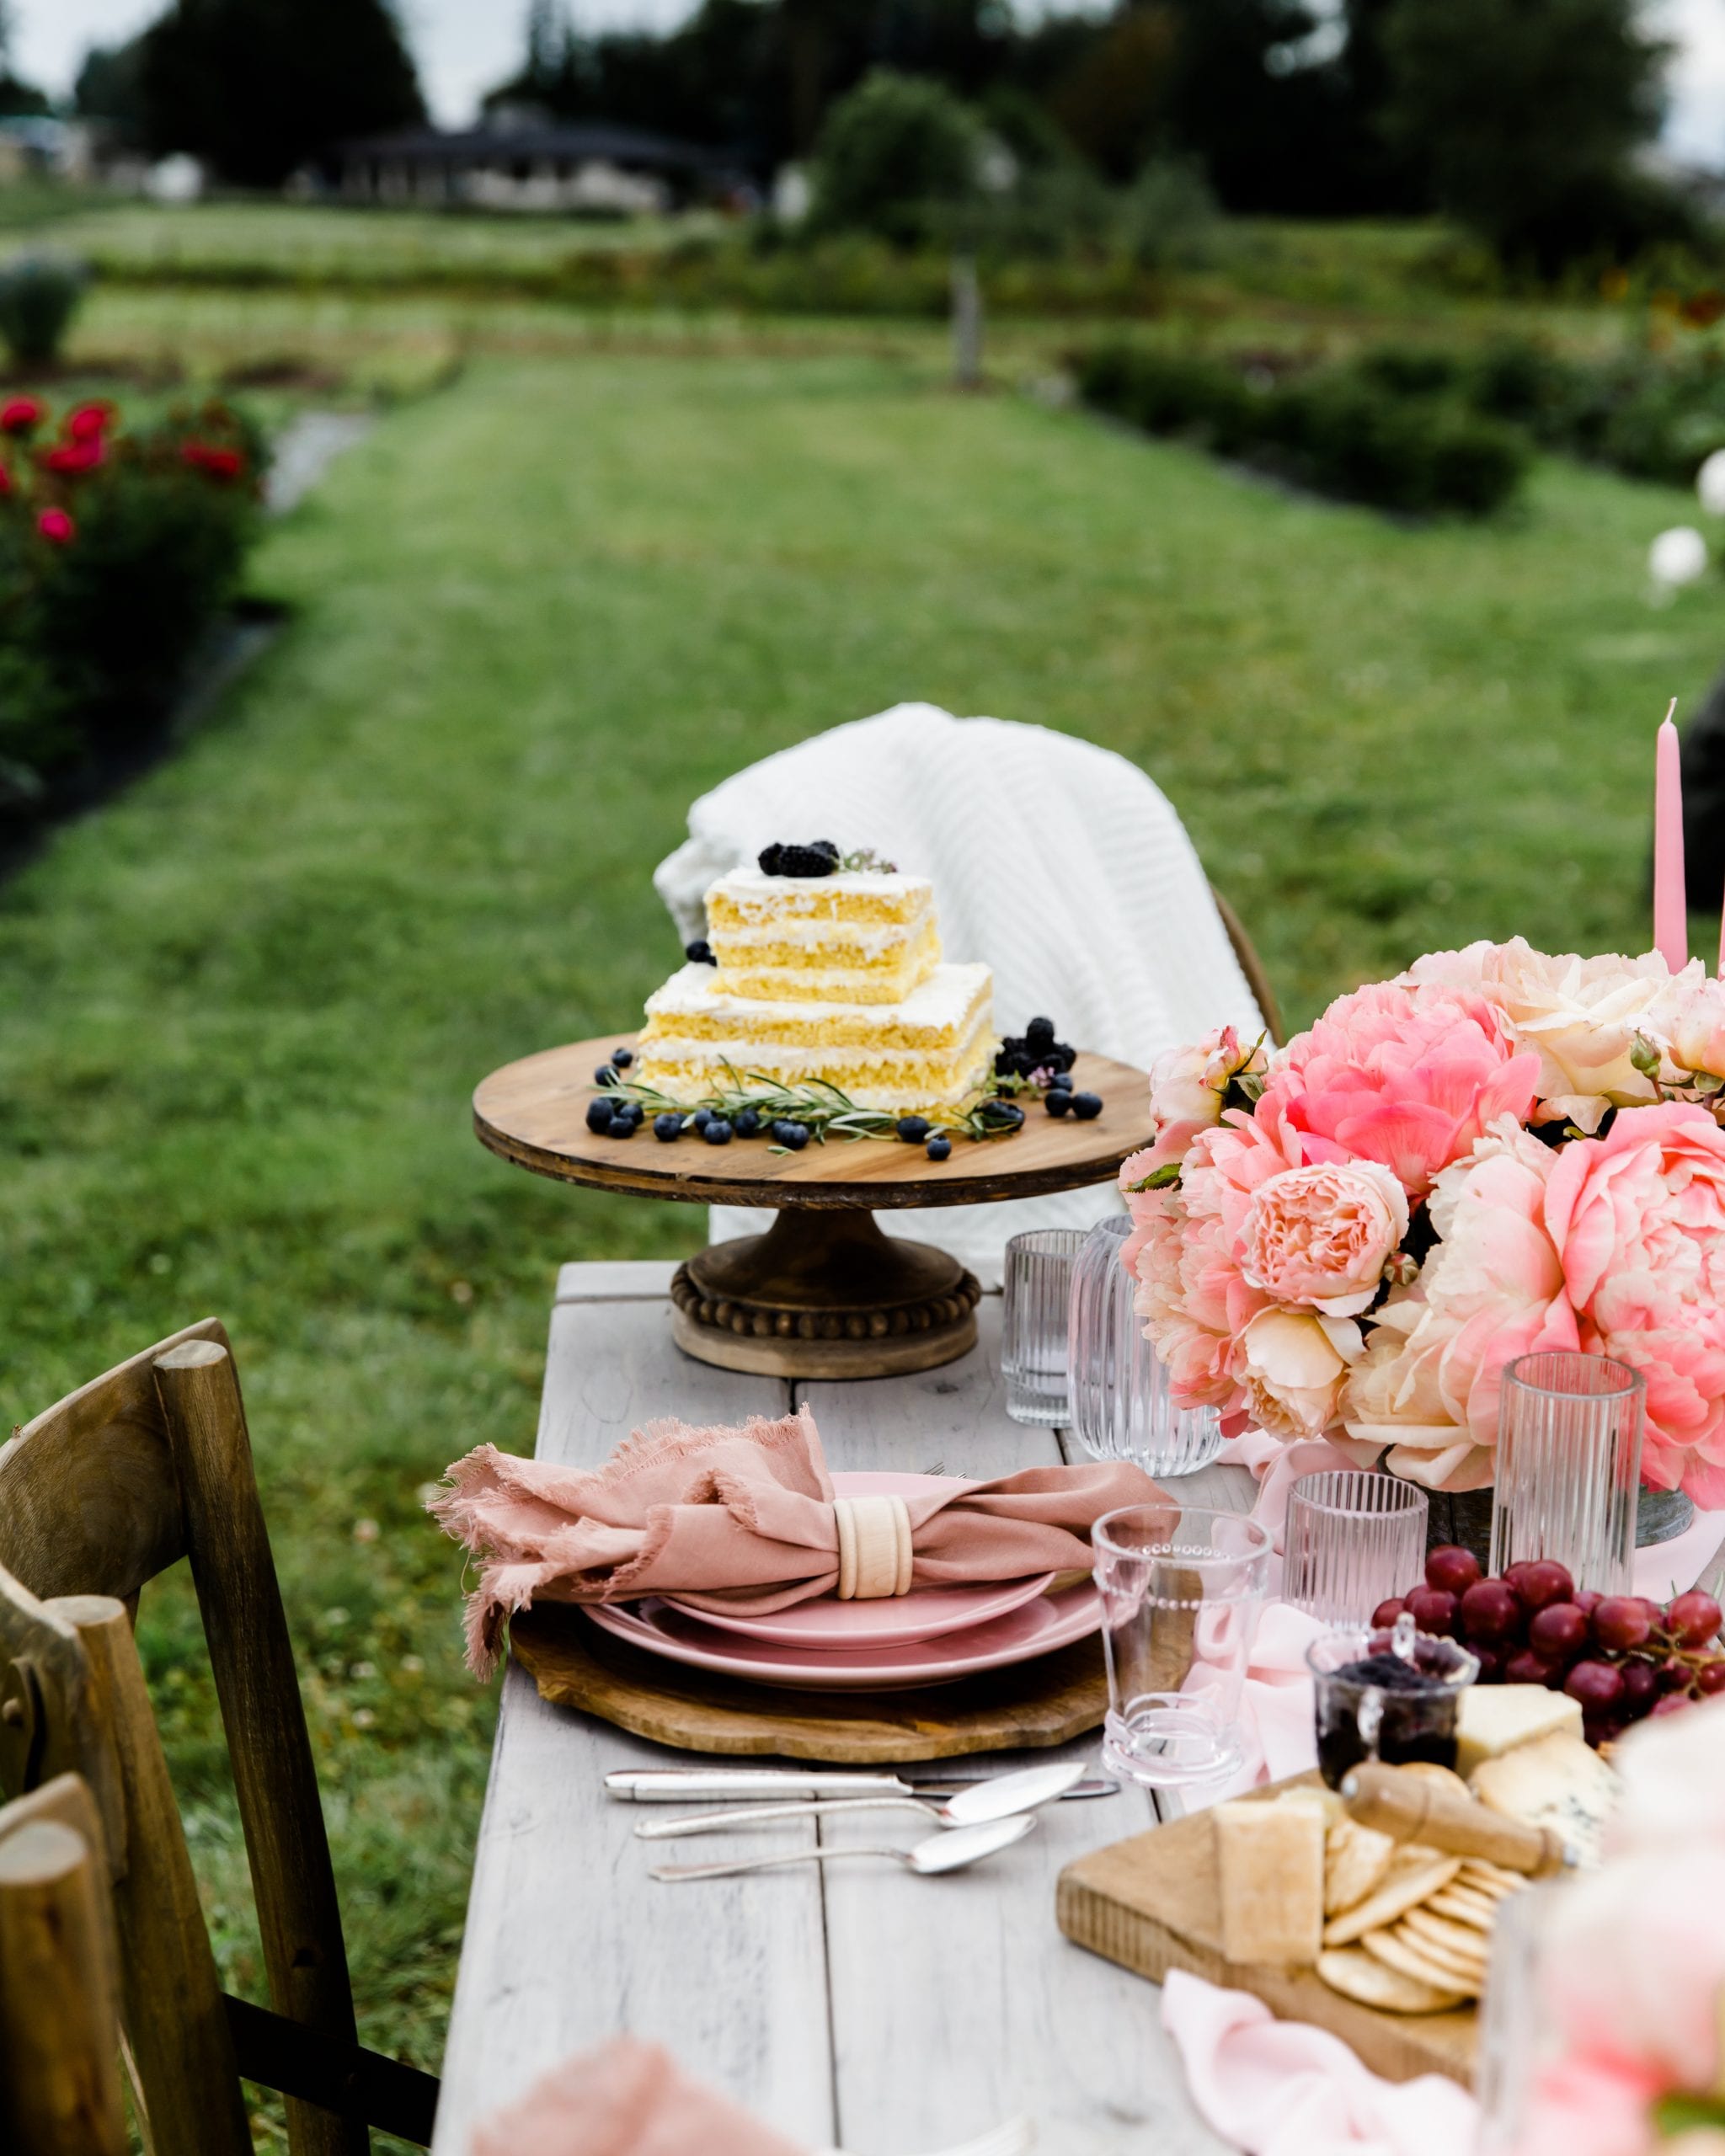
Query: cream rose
{"points": [[1294, 1364], [1323, 1235]]}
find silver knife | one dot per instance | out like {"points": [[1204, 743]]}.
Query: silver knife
{"points": [[718, 1785]]}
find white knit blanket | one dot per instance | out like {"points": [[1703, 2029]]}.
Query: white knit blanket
{"points": [[1058, 863]]}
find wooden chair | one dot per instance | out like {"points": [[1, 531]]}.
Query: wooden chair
{"points": [[59, 1970], [146, 1465], [1257, 979]]}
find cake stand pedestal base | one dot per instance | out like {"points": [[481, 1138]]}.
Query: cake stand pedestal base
{"points": [[824, 1294]]}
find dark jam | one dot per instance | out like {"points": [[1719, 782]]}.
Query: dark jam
{"points": [[1383, 1708]]}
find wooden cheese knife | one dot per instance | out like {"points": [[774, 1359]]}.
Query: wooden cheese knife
{"points": [[1409, 1808]]}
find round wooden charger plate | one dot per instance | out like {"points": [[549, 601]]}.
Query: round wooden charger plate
{"points": [[534, 1112], [1048, 1701]]}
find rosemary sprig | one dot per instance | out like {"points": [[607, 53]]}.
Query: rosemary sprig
{"points": [[825, 1110]]}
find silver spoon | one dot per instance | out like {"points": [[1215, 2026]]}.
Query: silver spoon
{"points": [[1002, 1797], [939, 1853]]}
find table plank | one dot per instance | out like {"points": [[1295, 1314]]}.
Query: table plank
{"points": [[569, 1940], [956, 2002]]}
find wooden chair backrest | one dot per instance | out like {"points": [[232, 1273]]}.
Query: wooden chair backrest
{"points": [[1257, 979], [58, 1974], [98, 1494]]}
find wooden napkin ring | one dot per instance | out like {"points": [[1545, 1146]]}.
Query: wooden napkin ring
{"points": [[874, 1547]]}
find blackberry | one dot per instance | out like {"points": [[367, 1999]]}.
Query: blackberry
{"points": [[1086, 1107], [914, 1129], [667, 1127], [1039, 1029], [939, 1147], [599, 1115], [819, 859], [827, 847], [699, 952]]}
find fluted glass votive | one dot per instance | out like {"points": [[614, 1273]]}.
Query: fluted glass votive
{"points": [[1353, 1538], [1039, 1282], [1568, 1466], [1122, 1401]]}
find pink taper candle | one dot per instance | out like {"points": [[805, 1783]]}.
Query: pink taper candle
{"points": [[1671, 906]]}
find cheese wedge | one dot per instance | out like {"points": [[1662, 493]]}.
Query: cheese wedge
{"points": [[1493, 1719], [1270, 1865], [1558, 1782]]}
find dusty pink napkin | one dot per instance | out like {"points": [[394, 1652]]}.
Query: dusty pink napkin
{"points": [[740, 1518], [1285, 2088], [625, 2099]]}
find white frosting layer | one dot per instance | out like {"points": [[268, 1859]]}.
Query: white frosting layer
{"points": [[753, 892], [943, 1002], [870, 937]]}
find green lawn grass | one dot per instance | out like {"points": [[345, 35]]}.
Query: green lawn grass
{"points": [[241, 1010]]}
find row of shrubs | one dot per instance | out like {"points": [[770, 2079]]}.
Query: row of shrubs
{"points": [[1421, 430], [118, 548], [1343, 430]]}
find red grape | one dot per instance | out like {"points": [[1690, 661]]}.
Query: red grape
{"points": [[1558, 1632], [1599, 1686], [1673, 1703], [1452, 1568], [1542, 1582], [1640, 1687], [1527, 1668], [1710, 1676], [1490, 1663], [1490, 1610], [1674, 1676], [1433, 1610], [1693, 1618], [1387, 1613], [1587, 1599], [1620, 1623]]}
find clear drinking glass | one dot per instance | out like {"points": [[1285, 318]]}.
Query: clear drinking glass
{"points": [[1353, 1538], [1568, 1466], [1121, 1402], [1039, 1280], [1388, 1693], [1181, 1589]]}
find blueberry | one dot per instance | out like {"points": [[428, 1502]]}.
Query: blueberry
{"points": [[667, 1127], [632, 1109], [1039, 1029], [914, 1129], [717, 1131], [622, 1057], [1001, 1115], [701, 1117], [1086, 1107], [940, 1146], [1060, 1099], [599, 1114], [792, 1136], [1060, 1081], [748, 1123], [699, 952], [623, 1126], [605, 1076]]}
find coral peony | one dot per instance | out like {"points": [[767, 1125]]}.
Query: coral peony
{"points": [[1639, 1218], [1407, 1076], [1324, 1234]]}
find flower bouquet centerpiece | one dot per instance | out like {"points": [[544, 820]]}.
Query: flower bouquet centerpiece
{"points": [[1496, 1153]]}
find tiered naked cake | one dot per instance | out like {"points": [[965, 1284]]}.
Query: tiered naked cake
{"points": [[835, 980]]}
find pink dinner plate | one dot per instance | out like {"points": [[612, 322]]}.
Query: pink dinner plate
{"points": [[1037, 1627], [895, 1621]]}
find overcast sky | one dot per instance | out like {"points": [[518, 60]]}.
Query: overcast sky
{"points": [[464, 47]]}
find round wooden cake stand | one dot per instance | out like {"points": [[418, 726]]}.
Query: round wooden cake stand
{"points": [[823, 1293]]}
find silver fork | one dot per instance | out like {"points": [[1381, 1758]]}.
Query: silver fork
{"points": [[1012, 2138]]}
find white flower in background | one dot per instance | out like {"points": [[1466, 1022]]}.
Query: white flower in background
{"points": [[1677, 556], [1710, 483]]}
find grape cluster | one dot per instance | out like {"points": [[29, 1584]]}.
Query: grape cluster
{"points": [[1621, 1655]]}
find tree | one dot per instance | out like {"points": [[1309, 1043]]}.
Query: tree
{"points": [[258, 87], [893, 152], [1526, 113]]}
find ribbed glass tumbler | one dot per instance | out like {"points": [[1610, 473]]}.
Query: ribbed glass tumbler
{"points": [[1568, 1466], [1038, 1280], [1123, 1405], [1353, 1538]]}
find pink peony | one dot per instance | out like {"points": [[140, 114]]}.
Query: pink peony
{"points": [[1323, 1235], [1688, 1022], [1639, 1217], [1407, 1076], [1188, 1087]]}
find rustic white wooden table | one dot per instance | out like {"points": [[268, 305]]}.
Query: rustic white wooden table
{"points": [[850, 2004]]}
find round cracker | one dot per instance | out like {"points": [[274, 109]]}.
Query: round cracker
{"points": [[1356, 1859], [1397, 1953], [1461, 1939], [1359, 1976], [1407, 1886], [1455, 1969], [1460, 1901], [1492, 1878], [1444, 1779]]}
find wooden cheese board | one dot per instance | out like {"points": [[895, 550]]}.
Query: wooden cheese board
{"points": [[1152, 1903]]}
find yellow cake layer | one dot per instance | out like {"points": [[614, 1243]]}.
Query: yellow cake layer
{"points": [[747, 898], [908, 1085], [834, 969]]}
